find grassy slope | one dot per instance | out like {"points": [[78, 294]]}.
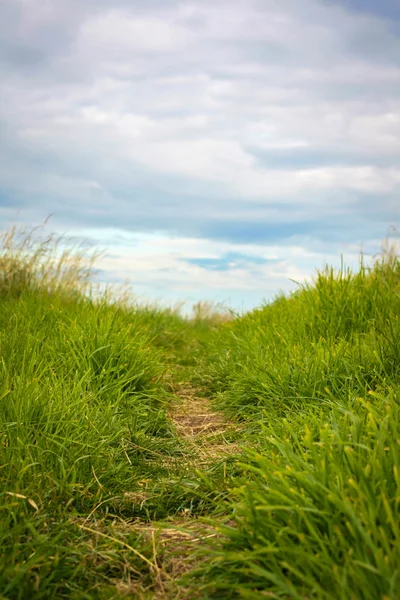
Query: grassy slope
{"points": [[316, 512], [84, 434], [86, 442]]}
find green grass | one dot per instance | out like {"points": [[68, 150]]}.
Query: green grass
{"points": [[316, 512], [84, 387], [309, 510]]}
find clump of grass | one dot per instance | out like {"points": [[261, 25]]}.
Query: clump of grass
{"points": [[318, 514], [208, 312], [340, 334], [33, 262]]}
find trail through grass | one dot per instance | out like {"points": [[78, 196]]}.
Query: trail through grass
{"points": [[209, 436], [148, 455]]}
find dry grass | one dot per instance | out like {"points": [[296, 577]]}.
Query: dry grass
{"points": [[175, 546], [32, 260], [214, 313], [176, 541], [204, 429]]}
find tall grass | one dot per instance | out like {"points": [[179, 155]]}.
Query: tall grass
{"points": [[87, 446], [340, 334], [31, 260], [83, 424], [316, 514]]}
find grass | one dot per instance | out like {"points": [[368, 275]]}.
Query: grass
{"points": [[84, 389], [303, 490], [316, 512]]}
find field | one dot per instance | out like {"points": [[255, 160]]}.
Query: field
{"points": [[144, 454]]}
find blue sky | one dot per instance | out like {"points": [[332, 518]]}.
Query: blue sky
{"points": [[216, 150]]}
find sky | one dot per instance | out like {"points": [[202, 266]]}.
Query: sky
{"points": [[218, 150]]}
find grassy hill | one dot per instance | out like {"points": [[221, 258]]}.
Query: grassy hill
{"points": [[292, 459]]}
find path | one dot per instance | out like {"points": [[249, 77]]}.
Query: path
{"points": [[207, 432], [205, 429], [207, 436]]}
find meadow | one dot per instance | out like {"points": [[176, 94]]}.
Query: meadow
{"points": [[145, 454]]}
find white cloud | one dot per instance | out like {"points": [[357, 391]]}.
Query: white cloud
{"points": [[117, 32], [169, 268]]}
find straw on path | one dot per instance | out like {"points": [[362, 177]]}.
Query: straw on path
{"points": [[209, 434], [206, 430]]}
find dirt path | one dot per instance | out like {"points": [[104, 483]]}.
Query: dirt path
{"points": [[209, 435], [195, 418], [202, 427], [208, 438]]}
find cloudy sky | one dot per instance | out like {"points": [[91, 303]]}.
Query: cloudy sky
{"points": [[215, 149]]}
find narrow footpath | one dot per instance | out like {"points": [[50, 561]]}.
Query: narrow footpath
{"points": [[208, 434]]}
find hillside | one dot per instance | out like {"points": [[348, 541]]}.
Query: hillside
{"points": [[144, 454]]}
